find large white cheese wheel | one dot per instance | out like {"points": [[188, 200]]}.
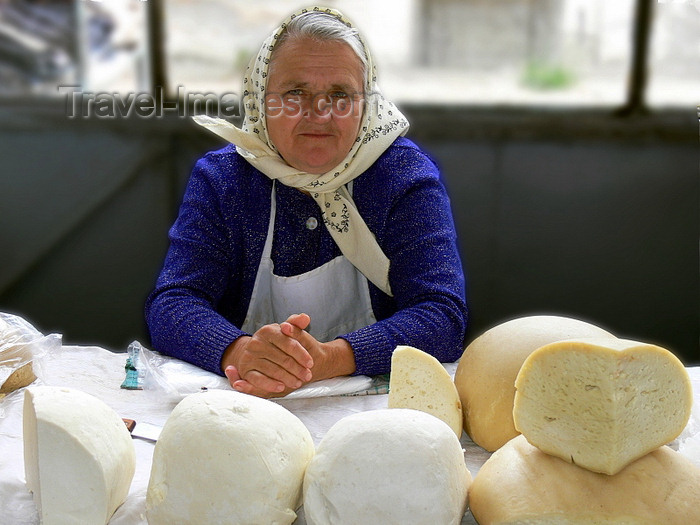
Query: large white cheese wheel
{"points": [[601, 403], [486, 372], [227, 457], [419, 381], [390, 466], [521, 484], [79, 458]]}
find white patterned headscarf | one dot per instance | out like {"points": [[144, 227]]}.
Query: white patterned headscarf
{"points": [[381, 124]]}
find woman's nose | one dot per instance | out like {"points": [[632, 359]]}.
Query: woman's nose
{"points": [[319, 108]]}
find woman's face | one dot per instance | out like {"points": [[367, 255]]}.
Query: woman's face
{"points": [[314, 103]]}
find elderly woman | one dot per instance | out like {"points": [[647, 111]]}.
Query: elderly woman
{"points": [[321, 238]]}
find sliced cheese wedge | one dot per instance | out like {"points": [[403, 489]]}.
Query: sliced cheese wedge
{"points": [[521, 484], [486, 373], [79, 458], [601, 403], [420, 382]]}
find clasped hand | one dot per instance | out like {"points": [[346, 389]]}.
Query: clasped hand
{"points": [[279, 358]]}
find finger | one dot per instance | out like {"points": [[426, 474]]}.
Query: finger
{"points": [[299, 320], [257, 383], [304, 338], [232, 374], [293, 356], [281, 368], [246, 388], [241, 385], [292, 330], [295, 325]]}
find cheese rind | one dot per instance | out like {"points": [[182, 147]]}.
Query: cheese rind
{"points": [[228, 457], [420, 382], [20, 377], [601, 403], [16, 368], [390, 466], [520, 484], [79, 457], [485, 376]]}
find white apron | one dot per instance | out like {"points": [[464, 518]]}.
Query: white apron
{"points": [[335, 295]]}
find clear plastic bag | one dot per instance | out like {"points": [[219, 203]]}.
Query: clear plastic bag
{"points": [[174, 379], [688, 443], [22, 351]]}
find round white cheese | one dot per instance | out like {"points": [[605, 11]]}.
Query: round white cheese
{"points": [[486, 372], [392, 466], [227, 457], [521, 484], [601, 403], [78, 455]]}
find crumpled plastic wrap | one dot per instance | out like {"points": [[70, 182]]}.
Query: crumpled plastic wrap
{"points": [[688, 443], [22, 347], [173, 379]]}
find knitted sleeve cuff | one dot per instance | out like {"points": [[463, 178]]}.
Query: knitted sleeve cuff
{"points": [[372, 350]]}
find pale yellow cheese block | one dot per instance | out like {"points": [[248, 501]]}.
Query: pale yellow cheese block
{"points": [[485, 376], [420, 382], [601, 403], [520, 484], [79, 458]]}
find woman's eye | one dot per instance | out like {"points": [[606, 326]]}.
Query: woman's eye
{"points": [[294, 93], [339, 94]]}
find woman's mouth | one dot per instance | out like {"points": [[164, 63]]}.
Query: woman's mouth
{"points": [[316, 135]]}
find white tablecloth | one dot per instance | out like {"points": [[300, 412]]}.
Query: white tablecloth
{"points": [[100, 373]]}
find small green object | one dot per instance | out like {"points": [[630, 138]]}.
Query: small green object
{"points": [[132, 381]]}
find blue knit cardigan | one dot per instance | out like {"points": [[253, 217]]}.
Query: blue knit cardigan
{"points": [[202, 293]]}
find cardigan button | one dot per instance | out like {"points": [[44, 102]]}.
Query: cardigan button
{"points": [[311, 223]]}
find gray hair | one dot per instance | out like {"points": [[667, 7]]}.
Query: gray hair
{"points": [[324, 26]]}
